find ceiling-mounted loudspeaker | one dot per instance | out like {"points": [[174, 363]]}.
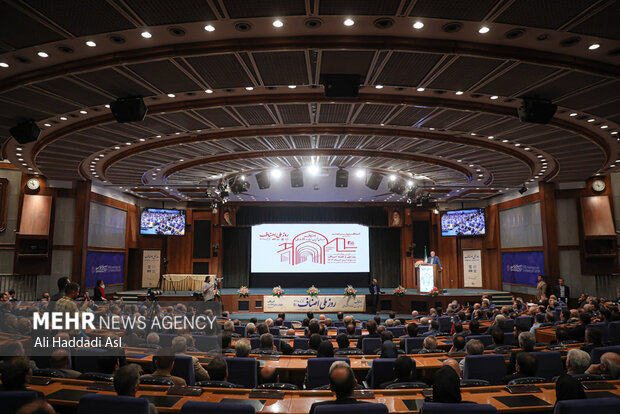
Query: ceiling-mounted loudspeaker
{"points": [[397, 186], [342, 178], [128, 109], [297, 178], [373, 180], [262, 178], [239, 186], [537, 110], [341, 86], [25, 132]]}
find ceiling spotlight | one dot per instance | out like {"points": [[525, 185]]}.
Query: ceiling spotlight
{"points": [[490, 137], [171, 95], [107, 105], [573, 114], [146, 35], [292, 86], [4, 65], [494, 97], [409, 201], [90, 43], [277, 23], [418, 25], [604, 126], [249, 88], [392, 177], [484, 29], [83, 112], [410, 183], [349, 22], [459, 92], [242, 177], [420, 89], [379, 86], [42, 54], [591, 120], [63, 118], [209, 28], [208, 91], [523, 189], [276, 173], [313, 169], [360, 173], [594, 46]]}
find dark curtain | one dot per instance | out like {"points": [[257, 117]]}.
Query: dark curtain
{"points": [[236, 250], [385, 256], [368, 216]]}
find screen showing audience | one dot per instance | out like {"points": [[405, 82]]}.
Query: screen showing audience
{"points": [[164, 222], [463, 222], [304, 248]]}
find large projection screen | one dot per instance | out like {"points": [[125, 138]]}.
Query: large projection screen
{"points": [[310, 248]]}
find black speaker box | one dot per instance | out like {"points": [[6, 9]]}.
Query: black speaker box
{"points": [[539, 111], [128, 109], [262, 178], [297, 178], [342, 178], [373, 180], [397, 186], [25, 132], [341, 86]]}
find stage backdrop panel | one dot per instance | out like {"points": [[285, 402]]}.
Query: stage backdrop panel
{"points": [[107, 266], [151, 268], [522, 268], [321, 303], [472, 268], [520, 226]]}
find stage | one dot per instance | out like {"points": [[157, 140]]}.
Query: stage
{"points": [[388, 302]]}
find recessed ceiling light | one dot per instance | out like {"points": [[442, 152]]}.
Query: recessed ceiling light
{"points": [[208, 91], [4, 65], [517, 145], [63, 118], [604, 126], [209, 28], [249, 88], [591, 120], [107, 105], [420, 89], [83, 112], [527, 148], [292, 86], [47, 125], [142, 139], [459, 92], [20, 159], [171, 95], [101, 155], [490, 137], [117, 148], [504, 140], [379, 86], [146, 35], [277, 23], [42, 54], [573, 114], [127, 143], [177, 133], [484, 29], [594, 46], [614, 133], [418, 25], [158, 136], [494, 97], [90, 43], [349, 22], [472, 133]]}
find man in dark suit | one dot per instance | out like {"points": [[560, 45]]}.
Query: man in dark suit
{"points": [[526, 366], [375, 291], [342, 382], [562, 292]]}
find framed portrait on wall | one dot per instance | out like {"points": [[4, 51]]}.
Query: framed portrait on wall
{"points": [[395, 218]]}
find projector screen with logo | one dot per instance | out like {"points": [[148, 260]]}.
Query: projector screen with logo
{"points": [[310, 248]]}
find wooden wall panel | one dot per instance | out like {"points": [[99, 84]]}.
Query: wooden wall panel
{"points": [[36, 215], [597, 217]]}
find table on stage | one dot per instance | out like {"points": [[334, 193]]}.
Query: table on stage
{"points": [[298, 402]]}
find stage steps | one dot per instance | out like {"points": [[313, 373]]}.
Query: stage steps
{"points": [[502, 298]]}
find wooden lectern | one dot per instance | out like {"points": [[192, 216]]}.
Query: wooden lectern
{"points": [[428, 277]]}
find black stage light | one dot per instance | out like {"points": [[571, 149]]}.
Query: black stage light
{"points": [[342, 178], [523, 189], [373, 180], [25, 132], [297, 178], [128, 109], [239, 186], [536, 110], [397, 186], [262, 178]]}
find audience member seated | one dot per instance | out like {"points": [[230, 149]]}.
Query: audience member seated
{"points": [[610, 365], [250, 330], [434, 329], [126, 381], [36, 407], [342, 382], [526, 366], [326, 350], [16, 374], [454, 364], [527, 342], [351, 332], [568, 388], [152, 341], [404, 369], [458, 343], [179, 347], [164, 361], [268, 375], [498, 338], [562, 336], [473, 347], [344, 347], [593, 339], [578, 332], [412, 332], [60, 361], [218, 371], [474, 327], [429, 345], [226, 343], [371, 327], [266, 346], [446, 386], [242, 348], [577, 362]]}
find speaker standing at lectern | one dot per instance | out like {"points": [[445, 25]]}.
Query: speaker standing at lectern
{"points": [[432, 259]]}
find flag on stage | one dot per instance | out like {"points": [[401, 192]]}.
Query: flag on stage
{"points": [[425, 257]]}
